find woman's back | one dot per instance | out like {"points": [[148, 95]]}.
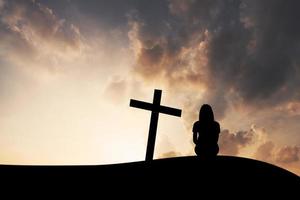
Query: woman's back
{"points": [[208, 132]]}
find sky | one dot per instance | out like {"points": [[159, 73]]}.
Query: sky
{"points": [[68, 69]]}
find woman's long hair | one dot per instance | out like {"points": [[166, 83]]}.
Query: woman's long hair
{"points": [[206, 113]]}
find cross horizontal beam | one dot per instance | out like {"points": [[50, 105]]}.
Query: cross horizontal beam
{"points": [[155, 108], [141, 104], [170, 111]]}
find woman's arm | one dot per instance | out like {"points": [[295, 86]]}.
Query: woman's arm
{"points": [[195, 137], [195, 133], [217, 127]]}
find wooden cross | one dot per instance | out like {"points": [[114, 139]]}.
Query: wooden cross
{"points": [[155, 109]]}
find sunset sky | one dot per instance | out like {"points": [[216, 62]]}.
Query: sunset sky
{"points": [[68, 69]]}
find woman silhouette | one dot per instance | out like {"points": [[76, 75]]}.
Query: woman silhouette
{"points": [[206, 133]]}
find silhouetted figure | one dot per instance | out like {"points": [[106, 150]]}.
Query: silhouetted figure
{"points": [[206, 133]]}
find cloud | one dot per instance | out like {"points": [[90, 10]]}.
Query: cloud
{"points": [[232, 49], [170, 154], [273, 56], [265, 151], [160, 57], [288, 154], [32, 34], [258, 141], [177, 7], [230, 143], [34, 21], [116, 90], [229, 54], [292, 108], [1, 4], [285, 156]]}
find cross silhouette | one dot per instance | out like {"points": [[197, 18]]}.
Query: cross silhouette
{"points": [[155, 109]]}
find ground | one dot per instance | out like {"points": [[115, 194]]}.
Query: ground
{"points": [[190, 174]]}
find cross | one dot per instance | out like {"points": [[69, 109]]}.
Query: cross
{"points": [[155, 109]]}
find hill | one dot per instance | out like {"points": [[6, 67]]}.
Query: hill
{"points": [[184, 172]]}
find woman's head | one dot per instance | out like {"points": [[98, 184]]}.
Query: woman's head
{"points": [[206, 113]]}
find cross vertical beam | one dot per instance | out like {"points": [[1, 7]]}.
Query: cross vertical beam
{"points": [[153, 125]]}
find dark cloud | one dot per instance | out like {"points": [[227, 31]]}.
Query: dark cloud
{"points": [[223, 45], [111, 14], [151, 58], [25, 24], [273, 61], [231, 143], [231, 45]]}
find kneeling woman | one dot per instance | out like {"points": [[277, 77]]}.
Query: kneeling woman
{"points": [[206, 133]]}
